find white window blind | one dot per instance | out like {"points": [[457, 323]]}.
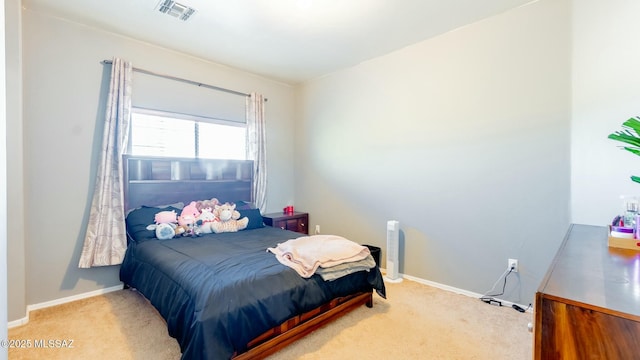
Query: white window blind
{"points": [[155, 133], [171, 96], [181, 119]]}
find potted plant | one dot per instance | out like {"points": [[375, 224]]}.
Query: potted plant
{"points": [[630, 134]]}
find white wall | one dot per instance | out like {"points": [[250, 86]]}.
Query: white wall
{"points": [[15, 164], [3, 189], [65, 88], [605, 93], [463, 138]]}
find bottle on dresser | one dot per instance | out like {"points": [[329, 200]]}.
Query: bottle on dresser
{"points": [[630, 213], [630, 217]]}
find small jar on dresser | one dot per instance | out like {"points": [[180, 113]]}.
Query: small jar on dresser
{"points": [[294, 221]]}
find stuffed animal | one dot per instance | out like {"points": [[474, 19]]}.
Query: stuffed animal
{"points": [[189, 214], [189, 219], [181, 229], [203, 204], [166, 217], [228, 219], [165, 225], [164, 231], [205, 219], [226, 212]]}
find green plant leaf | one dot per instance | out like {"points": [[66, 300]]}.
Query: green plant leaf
{"points": [[633, 150], [630, 134], [625, 134], [632, 123], [632, 142]]}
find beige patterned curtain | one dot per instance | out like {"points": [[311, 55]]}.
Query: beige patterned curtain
{"points": [[257, 148], [105, 241]]}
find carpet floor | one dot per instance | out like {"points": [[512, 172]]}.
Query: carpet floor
{"points": [[415, 322]]}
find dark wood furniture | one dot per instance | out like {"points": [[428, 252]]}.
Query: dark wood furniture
{"points": [[588, 304], [279, 337], [296, 221], [158, 181]]}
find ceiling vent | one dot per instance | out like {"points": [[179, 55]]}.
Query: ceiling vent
{"points": [[176, 10]]}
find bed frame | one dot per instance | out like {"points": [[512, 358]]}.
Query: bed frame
{"points": [[159, 181], [295, 328]]}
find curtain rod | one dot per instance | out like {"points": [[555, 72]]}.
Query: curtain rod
{"points": [[109, 62]]}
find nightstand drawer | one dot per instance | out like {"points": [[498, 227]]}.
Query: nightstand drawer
{"points": [[297, 221]]}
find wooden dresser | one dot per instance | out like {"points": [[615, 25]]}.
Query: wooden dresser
{"points": [[588, 304]]}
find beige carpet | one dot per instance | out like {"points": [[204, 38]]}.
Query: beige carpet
{"points": [[416, 322]]}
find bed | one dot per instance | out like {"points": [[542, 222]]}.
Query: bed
{"points": [[224, 295]]}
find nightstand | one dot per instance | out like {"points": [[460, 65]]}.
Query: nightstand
{"points": [[296, 221]]}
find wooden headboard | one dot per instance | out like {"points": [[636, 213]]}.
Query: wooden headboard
{"points": [[156, 181]]}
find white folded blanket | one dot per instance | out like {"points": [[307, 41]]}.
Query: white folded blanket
{"points": [[307, 253], [338, 271]]}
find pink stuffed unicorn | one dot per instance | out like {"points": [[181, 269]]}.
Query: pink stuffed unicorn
{"points": [[189, 214]]}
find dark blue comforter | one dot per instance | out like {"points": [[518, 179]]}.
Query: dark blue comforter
{"points": [[219, 291]]}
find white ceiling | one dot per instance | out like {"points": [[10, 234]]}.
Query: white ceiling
{"points": [[288, 40]]}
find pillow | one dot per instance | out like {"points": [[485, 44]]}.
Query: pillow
{"points": [[255, 218], [244, 205], [138, 219], [178, 205]]}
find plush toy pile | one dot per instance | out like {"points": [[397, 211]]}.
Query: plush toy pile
{"points": [[198, 217]]}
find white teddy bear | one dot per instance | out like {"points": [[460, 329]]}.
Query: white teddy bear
{"points": [[207, 217]]}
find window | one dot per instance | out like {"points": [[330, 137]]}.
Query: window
{"points": [[155, 133]]}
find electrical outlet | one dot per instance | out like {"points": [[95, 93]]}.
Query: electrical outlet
{"points": [[317, 229], [513, 264]]}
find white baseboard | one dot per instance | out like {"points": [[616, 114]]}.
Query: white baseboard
{"points": [[67, 299], [455, 290], [19, 322], [61, 301]]}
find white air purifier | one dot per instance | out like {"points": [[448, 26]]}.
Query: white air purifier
{"points": [[393, 252]]}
